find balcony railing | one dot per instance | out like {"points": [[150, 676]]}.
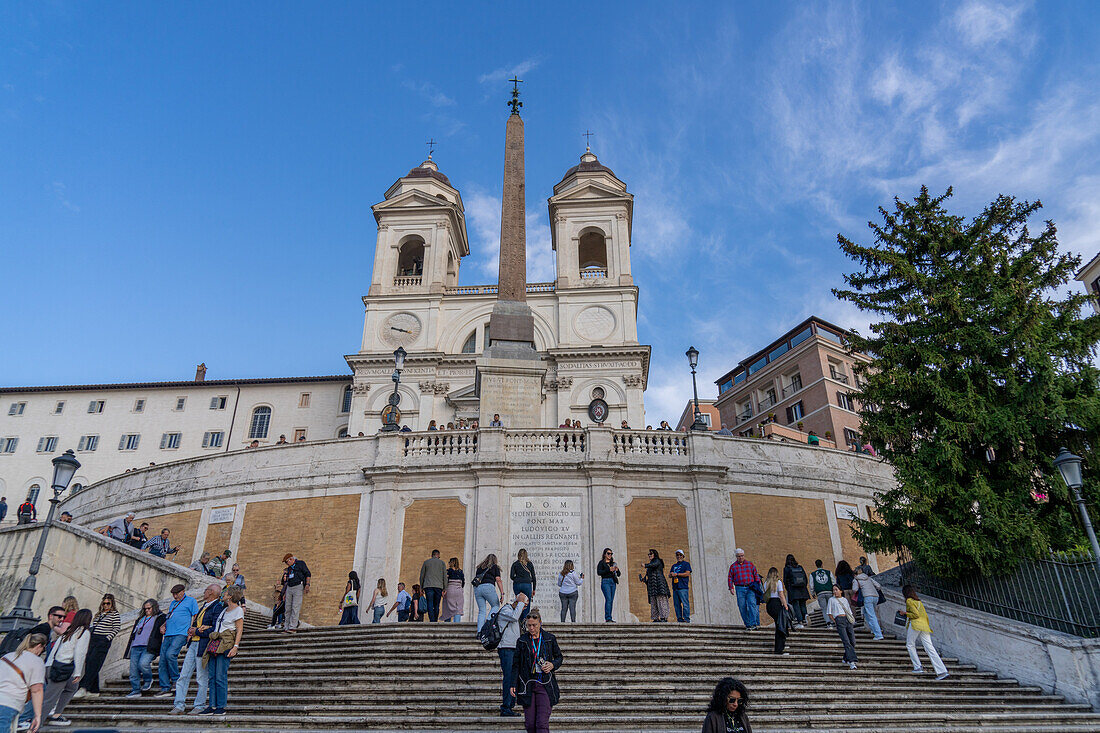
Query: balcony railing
{"points": [[492, 289], [791, 388], [842, 378], [659, 442], [593, 273], [746, 414], [407, 281], [767, 402]]}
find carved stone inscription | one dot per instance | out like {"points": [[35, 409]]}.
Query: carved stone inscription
{"points": [[549, 527]]}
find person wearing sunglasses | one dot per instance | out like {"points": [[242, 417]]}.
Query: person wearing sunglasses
{"points": [[727, 712], [144, 646]]}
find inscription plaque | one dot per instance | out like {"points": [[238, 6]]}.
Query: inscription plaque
{"points": [[549, 527]]}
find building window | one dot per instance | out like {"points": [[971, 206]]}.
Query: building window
{"points": [[592, 255], [303, 399], [96, 406], [829, 335], [212, 439], [744, 410], [77, 488], [7, 445], [33, 492], [739, 377], [47, 444], [725, 386], [170, 441], [59, 407], [261, 421], [410, 258], [299, 434], [129, 441], [88, 443], [844, 400], [218, 403], [851, 437], [795, 412], [758, 365], [706, 417], [17, 408], [181, 402], [139, 405], [470, 347], [345, 401], [343, 432], [778, 351], [800, 337]]}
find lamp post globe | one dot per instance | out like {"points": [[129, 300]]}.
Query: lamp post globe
{"points": [[1069, 466], [21, 616], [693, 361]]}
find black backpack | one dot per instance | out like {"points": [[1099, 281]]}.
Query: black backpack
{"points": [[490, 633], [12, 641], [798, 577]]}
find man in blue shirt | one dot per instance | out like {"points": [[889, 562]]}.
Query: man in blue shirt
{"points": [[160, 546], [176, 626], [681, 581], [403, 603]]}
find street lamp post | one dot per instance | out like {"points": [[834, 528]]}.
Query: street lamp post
{"points": [[1069, 466], [693, 359], [395, 398], [22, 617]]}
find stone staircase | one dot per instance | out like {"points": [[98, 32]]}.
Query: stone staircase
{"points": [[625, 677]]}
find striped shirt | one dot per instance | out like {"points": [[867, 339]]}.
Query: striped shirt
{"points": [[157, 546], [106, 624]]}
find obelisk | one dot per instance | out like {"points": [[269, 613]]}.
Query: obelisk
{"points": [[510, 372]]}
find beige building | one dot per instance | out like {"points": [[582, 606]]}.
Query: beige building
{"points": [[711, 417], [801, 381], [1090, 276]]}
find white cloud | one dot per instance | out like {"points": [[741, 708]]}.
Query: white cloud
{"points": [[983, 23], [483, 228], [506, 72], [62, 196]]}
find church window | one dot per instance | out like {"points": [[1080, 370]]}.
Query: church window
{"points": [[345, 402], [303, 399], [33, 492], [170, 441], [261, 421], [139, 405], [212, 439], [342, 432], [597, 393], [181, 402], [299, 434], [592, 255], [470, 347], [410, 259], [59, 407]]}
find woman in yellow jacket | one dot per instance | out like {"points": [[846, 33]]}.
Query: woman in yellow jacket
{"points": [[920, 628]]}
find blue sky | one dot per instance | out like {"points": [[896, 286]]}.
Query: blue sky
{"points": [[192, 182]]}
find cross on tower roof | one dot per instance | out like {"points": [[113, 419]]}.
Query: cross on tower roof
{"points": [[431, 147], [514, 103], [588, 139]]}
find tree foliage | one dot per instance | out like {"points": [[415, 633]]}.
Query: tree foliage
{"points": [[981, 369]]}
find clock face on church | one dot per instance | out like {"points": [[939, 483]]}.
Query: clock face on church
{"points": [[400, 329]]}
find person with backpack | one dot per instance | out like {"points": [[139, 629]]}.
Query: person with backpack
{"points": [[22, 679], [488, 588], [509, 619], [798, 590], [26, 513], [869, 593], [402, 605], [64, 668], [534, 674], [821, 581]]}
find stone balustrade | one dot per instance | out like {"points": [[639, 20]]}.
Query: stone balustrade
{"points": [[492, 289], [407, 281]]}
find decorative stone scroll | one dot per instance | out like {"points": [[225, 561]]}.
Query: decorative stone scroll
{"points": [[632, 380]]}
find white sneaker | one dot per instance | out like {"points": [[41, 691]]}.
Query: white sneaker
{"points": [[80, 693], [91, 694], [198, 710], [852, 665]]}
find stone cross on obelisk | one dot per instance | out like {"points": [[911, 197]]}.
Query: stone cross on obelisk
{"points": [[509, 374]]}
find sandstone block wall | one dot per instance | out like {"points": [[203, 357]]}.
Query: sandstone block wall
{"points": [[660, 524], [432, 524], [183, 527]]}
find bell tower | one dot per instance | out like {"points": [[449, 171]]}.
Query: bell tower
{"points": [[421, 234], [590, 221]]}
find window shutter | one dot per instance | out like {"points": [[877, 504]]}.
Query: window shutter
{"points": [[122, 442], [163, 440], [41, 444], [790, 414], [91, 406], [137, 439], [213, 403], [80, 445]]}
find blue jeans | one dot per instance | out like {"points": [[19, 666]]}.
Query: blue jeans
{"points": [[607, 585], [507, 702], [747, 605], [525, 589], [434, 595], [192, 665], [870, 615], [486, 593], [141, 668], [378, 612], [170, 660], [682, 605], [8, 715], [218, 673]]}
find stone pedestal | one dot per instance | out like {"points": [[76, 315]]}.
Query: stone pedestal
{"points": [[511, 388]]}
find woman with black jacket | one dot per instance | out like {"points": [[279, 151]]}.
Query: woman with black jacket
{"points": [[523, 578], [144, 646], [797, 583], [656, 587], [609, 574], [534, 682], [728, 707]]}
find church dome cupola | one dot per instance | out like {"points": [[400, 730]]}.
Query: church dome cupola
{"points": [[428, 169], [589, 164]]}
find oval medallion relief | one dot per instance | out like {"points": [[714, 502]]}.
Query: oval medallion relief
{"points": [[594, 323]]}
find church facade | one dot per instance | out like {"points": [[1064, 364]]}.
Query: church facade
{"points": [[586, 329]]}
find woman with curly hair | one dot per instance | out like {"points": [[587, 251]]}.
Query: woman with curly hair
{"points": [[727, 712]]}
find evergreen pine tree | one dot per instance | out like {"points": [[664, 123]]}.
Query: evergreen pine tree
{"points": [[981, 369]]}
